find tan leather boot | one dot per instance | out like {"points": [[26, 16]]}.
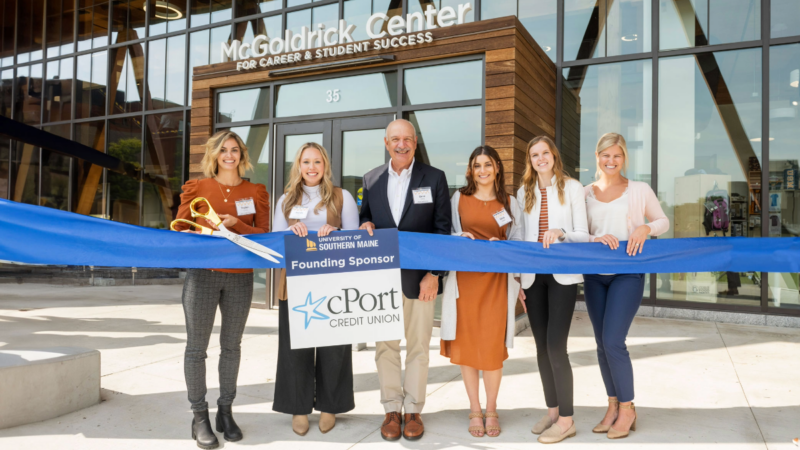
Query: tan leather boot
{"points": [[326, 422], [300, 425]]}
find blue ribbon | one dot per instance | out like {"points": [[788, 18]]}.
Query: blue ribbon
{"points": [[38, 235]]}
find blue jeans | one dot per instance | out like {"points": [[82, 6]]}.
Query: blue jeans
{"points": [[612, 302]]}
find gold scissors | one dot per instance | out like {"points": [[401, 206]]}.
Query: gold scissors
{"points": [[212, 217]]}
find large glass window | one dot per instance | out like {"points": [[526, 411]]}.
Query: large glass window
{"points": [[198, 55], [784, 163], [163, 168], [601, 99], [127, 79], [55, 173], [538, 16], [249, 7], [444, 83], [694, 23], [597, 28], [28, 101], [30, 31], [785, 18], [60, 27], [371, 91], [25, 173], [8, 19], [218, 36], [709, 163], [6, 92], [244, 105], [5, 155], [125, 144], [165, 72], [91, 82], [58, 91], [357, 12], [268, 26], [420, 6], [87, 178], [127, 20], [167, 16], [209, 11], [92, 24], [327, 15]]}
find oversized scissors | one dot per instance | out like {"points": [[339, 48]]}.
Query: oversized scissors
{"points": [[212, 217]]}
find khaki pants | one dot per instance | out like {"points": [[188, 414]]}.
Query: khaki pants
{"points": [[397, 394]]}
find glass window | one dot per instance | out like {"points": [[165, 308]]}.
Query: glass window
{"points": [[250, 7], [5, 155], [6, 92], [607, 98], [60, 27], [7, 31], [220, 10], [87, 178], [419, 6], [784, 18], [55, 173], [371, 91], [163, 168], [198, 55], [360, 154], [597, 28], [244, 105], [709, 163], [91, 82], [218, 36], [444, 83], [446, 137], [30, 30], [28, 101], [358, 11], [539, 18], [327, 15], [127, 20], [269, 26], [25, 174], [125, 144], [165, 72], [58, 91], [784, 163], [167, 16], [127, 79], [290, 3], [702, 22], [92, 24]]}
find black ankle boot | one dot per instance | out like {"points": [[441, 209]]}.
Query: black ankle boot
{"points": [[201, 431], [226, 425]]}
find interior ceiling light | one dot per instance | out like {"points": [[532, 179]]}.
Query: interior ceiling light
{"points": [[759, 139], [630, 38], [163, 10], [794, 78]]}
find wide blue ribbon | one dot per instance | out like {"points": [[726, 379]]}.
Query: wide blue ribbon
{"points": [[38, 235]]}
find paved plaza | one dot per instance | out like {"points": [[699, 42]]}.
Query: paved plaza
{"points": [[699, 384]]}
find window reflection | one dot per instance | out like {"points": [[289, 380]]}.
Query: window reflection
{"points": [[6, 92], [421, 6], [784, 18], [127, 21], [361, 152], [268, 26], [198, 55], [597, 28], [163, 168], [5, 155], [709, 163], [55, 173], [249, 7], [538, 17], [125, 144], [25, 173], [244, 105], [327, 15], [607, 98], [58, 90], [92, 24], [91, 83], [702, 22], [166, 16], [30, 30], [218, 36], [165, 72], [445, 139], [127, 78], [443, 83], [784, 163], [8, 17], [371, 91], [60, 27], [87, 178], [358, 11], [28, 101]]}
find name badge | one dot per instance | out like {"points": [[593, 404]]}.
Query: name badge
{"points": [[422, 195], [501, 217], [299, 212], [245, 207]]}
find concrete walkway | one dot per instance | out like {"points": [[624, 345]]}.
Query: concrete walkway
{"points": [[699, 384]]}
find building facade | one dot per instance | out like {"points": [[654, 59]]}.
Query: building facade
{"points": [[705, 91]]}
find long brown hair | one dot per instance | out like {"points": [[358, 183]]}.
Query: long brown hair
{"points": [[499, 180], [530, 176], [294, 187]]}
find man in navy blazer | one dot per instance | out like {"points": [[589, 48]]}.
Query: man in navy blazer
{"points": [[409, 195]]}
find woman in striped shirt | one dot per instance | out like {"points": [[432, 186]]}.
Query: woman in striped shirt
{"points": [[553, 211]]}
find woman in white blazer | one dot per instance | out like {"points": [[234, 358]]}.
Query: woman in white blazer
{"points": [[552, 210]]}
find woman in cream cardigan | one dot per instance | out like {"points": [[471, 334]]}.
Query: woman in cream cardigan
{"points": [[553, 211], [482, 302]]}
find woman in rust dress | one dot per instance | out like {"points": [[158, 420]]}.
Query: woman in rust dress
{"points": [[482, 302]]}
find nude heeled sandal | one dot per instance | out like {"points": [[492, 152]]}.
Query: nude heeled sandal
{"points": [[477, 415], [614, 434], [600, 428], [492, 427]]}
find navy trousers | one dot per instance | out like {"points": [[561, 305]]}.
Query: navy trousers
{"points": [[612, 302]]}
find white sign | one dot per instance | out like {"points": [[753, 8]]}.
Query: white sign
{"points": [[298, 47]]}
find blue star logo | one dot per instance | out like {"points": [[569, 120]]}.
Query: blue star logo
{"points": [[310, 309]]}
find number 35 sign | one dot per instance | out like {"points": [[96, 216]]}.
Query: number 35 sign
{"points": [[332, 96]]}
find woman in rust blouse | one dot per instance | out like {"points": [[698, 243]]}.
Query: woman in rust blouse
{"points": [[244, 209]]}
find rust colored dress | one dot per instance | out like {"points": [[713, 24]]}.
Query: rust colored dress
{"points": [[482, 305]]}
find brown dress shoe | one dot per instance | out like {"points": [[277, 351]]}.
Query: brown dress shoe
{"points": [[390, 430], [414, 427]]}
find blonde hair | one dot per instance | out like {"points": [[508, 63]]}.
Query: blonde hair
{"points": [[294, 187], [530, 175], [609, 140], [213, 146]]}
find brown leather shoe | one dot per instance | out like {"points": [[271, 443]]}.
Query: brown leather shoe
{"points": [[390, 430], [414, 428]]}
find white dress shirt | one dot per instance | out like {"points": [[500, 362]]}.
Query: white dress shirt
{"points": [[397, 190], [315, 220]]}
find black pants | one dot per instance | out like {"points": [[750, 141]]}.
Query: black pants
{"points": [[312, 378], [550, 307]]}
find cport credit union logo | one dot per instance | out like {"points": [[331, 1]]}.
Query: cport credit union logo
{"points": [[344, 288]]}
